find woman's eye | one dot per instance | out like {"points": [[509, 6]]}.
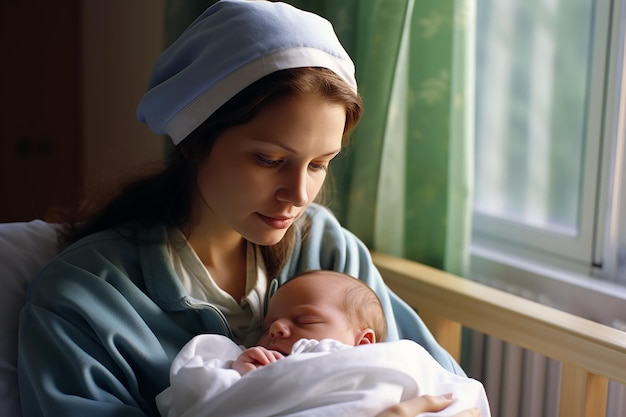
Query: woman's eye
{"points": [[318, 166], [268, 162]]}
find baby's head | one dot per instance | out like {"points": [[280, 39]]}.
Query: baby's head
{"points": [[323, 305]]}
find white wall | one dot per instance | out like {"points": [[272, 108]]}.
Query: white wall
{"points": [[121, 40]]}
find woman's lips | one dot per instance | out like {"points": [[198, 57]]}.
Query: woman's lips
{"points": [[278, 222]]}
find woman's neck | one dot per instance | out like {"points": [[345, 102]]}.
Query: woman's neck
{"points": [[224, 256]]}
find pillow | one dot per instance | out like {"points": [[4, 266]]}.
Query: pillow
{"points": [[24, 249]]}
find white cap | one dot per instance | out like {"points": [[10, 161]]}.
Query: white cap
{"points": [[230, 46]]}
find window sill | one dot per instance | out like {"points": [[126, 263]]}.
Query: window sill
{"points": [[572, 291]]}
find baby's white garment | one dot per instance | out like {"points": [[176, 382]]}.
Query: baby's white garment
{"points": [[318, 379]]}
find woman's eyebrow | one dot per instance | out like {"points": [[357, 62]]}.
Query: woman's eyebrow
{"points": [[290, 149]]}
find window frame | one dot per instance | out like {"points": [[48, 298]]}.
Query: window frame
{"points": [[591, 265], [577, 248]]}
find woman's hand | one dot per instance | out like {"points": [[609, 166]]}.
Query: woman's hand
{"points": [[423, 404], [254, 358]]}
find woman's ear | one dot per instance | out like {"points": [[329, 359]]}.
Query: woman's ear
{"points": [[365, 337]]}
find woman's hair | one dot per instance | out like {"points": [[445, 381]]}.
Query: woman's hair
{"points": [[166, 197]]}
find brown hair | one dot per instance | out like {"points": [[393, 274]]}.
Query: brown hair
{"points": [[166, 196]]}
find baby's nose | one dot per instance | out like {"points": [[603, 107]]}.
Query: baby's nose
{"points": [[279, 329]]}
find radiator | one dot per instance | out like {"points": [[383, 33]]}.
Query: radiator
{"points": [[520, 383]]}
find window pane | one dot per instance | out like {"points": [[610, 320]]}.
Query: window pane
{"points": [[533, 68]]}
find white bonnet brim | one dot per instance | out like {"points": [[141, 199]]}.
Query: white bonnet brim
{"points": [[231, 45]]}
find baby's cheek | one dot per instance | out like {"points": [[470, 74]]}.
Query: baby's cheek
{"points": [[264, 341]]}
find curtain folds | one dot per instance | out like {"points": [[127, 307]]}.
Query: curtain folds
{"points": [[405, 183]]}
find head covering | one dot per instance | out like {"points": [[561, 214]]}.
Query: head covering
{"points": [[231, 45]]}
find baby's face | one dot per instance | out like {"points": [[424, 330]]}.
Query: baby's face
{"points": [[308, 307]]}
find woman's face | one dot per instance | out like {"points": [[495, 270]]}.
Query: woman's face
{"points": [[261, 175]]}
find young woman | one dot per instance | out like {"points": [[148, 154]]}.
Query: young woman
{"points": [[259, 97]]}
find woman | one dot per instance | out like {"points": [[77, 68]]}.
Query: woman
{"points": [[259, 97]]}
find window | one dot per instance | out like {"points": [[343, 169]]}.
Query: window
{"points": [[550, 194]]}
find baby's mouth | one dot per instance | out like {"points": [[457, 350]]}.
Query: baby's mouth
{"points": [[277, 349]]}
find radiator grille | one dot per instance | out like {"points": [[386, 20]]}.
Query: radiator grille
{"points": [[520, 383]]}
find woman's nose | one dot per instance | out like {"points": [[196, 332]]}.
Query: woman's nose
{"points": [[294, 189], [279, 330]]}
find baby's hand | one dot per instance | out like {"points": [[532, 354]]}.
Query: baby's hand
{"points": [[253, 358]]}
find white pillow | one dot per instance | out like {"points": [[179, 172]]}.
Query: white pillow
{"points": [[24, 249]]}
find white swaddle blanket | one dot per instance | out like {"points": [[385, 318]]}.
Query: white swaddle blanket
{"points": [[318, 379]]}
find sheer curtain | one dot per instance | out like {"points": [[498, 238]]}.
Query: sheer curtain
{"points": [[405, 183]]}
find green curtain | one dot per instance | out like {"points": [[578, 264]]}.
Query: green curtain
{"points": [[404, 185]]}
